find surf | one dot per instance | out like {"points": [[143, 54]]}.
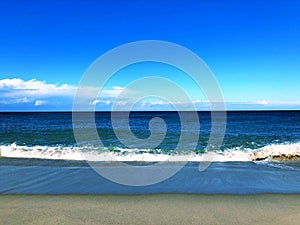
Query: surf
{"points": [[271, 152]]}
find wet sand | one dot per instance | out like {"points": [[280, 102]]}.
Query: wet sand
{"points": [[150, 209]]}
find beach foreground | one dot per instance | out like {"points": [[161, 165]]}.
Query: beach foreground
{"points": [[150, 209]]}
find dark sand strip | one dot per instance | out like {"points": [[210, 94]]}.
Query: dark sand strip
{"points": [[150, 209]]}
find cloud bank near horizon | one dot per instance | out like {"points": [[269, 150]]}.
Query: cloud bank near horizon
{"points": [[35, 95]]}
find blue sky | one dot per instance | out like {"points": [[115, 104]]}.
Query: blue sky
{"points": [[252, 47]]}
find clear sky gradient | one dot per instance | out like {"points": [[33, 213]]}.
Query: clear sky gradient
{"points": [[252, 47]]}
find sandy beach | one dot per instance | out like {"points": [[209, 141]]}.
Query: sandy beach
{"points": [[150, 209]]}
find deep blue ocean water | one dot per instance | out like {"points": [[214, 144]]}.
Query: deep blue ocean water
{"points": [[40, 154], [252, 129]]}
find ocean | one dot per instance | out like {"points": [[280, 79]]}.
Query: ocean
{"points": [[260, 153]]}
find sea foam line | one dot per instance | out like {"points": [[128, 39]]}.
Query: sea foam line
{"points": [[269, 152]]}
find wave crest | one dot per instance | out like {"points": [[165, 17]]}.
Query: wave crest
{"points": [[276, 152]]}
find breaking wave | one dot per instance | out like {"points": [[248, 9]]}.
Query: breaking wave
{"points": [[274, 152]]}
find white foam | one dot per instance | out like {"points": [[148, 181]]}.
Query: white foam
{"points": [[274, 150], [145, 155], [40, 152]]}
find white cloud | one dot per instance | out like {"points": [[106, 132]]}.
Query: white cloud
{"points": [[16, 91], [118, 88], [121, 103], [22, 100], [39, 102], [198, 101], [35, 93], [97, 101], [18, 88], [262, 102], [157, 103], [113, 93]]}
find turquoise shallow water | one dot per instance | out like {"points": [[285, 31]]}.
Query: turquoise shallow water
{"points": [[40, 154]]}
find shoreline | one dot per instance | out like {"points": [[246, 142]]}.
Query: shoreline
{"points": [[150, 209]]}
